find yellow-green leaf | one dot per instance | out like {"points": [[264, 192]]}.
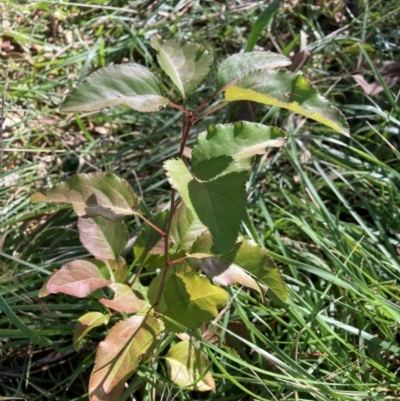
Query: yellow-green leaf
{"points": [[85, 323], [289, 91], [188, 367], [187, 298]]}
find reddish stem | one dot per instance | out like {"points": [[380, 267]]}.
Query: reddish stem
{"points": [[174, 262], [196, 110], [187, 125], [161, 232], [209, 111], [180, 108]]}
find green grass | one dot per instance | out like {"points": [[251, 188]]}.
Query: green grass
{"points": [[326, 207]]}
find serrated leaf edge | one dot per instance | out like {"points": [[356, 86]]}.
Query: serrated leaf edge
{"points": [[257, 69], [181, 89], [99, 71]]}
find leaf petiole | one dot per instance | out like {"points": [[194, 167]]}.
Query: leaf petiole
{"points": [[158, 229]]}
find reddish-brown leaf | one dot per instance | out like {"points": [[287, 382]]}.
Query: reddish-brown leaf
{"points": [[124, 300], [94, 194], [44, 292], [118, 356], [78, 278]]}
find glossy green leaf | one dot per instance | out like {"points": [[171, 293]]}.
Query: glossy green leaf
{"points": [[125, 300], [104, 239], [187, 298], [214, 191], [187, 64], [289, 91], [239, 65], [85, 323], [131, 85], [241, 140], [94, 194], [119, 355], [188, 367], [245, 257], [79, 278], [186, 227]]}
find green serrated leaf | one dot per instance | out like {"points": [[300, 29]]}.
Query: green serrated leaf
{"points": [[131, 85], [186, 227], [239, 65], [289, 91], [188, 367], [187, 64], [119, 355], [215, 193], [230, 268], [104, 239], [94, 194], [241, 140], [188, 299], [85, 323]]}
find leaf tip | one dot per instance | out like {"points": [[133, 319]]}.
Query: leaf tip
{"points": [[38, 197]]}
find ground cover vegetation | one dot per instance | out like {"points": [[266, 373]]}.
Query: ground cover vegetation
{"points": [[325, 206]]}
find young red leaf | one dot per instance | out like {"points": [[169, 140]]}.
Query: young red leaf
{"points": [[44, 292], [85, 323], [118, 356], [94, 194], [79, 278], [125, 300], [188, 367]]}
